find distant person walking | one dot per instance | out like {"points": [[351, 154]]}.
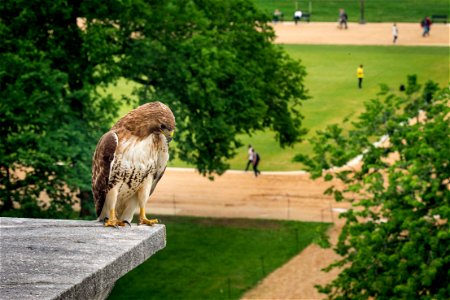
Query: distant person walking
{"points": [[277, 16], [395, 33], [360, 75], [343, 18], [426, 25], [250, 157], [256, 160], [297, 16]]}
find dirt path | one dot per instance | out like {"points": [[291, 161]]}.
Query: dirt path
{"points": [[296, 278], [410, 34], [283, 195], [273, 195]]}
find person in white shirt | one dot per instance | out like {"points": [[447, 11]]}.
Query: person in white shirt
{"points": [[395, 32], [297, 16], [250, 157]]}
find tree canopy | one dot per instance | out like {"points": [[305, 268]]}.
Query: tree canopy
{"points": [[215, 63], [395, 242], [212, 62]]}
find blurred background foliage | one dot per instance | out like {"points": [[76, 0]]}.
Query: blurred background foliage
{"points": [[212, 62]]}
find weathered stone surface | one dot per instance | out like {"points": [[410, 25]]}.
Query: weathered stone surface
{"points": [[70, 259]]}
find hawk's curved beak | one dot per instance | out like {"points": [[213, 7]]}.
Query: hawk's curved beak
{"points": [[169, 135]]}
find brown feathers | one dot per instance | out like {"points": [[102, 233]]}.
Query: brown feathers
{"points": [[134, 151], [101, 167], [146, 119]]}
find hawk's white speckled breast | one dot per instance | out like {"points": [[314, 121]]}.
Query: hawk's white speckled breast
{"points": [[138, 160]]}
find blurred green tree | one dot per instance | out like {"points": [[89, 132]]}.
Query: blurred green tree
{"points": [[51, 113], [395, 243], [215, 64], [212, 61]]}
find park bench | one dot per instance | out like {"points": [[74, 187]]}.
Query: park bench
{"points": [[439, 18], [305, 17]]}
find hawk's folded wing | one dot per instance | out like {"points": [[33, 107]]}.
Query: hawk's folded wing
{"points": [[101, 167]]}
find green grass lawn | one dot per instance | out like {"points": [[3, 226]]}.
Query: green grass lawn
{"points": [[374, 10], [208, 258], [332, 83]]}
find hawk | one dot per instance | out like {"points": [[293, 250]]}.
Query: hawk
{"points": [[128, 162]]}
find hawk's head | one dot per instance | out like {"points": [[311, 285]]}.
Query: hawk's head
{"points": [[150, 118]]}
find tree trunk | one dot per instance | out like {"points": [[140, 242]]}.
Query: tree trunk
{"points": [[86, 204], [7, 201]]}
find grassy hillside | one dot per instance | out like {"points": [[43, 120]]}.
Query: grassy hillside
{"points": [[375, 10], [332, 84], [215, 258]]}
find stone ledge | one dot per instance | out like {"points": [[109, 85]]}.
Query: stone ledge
{"points": [[70, 259]]}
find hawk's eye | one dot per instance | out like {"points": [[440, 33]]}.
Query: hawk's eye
{"points": [[163, 127]]}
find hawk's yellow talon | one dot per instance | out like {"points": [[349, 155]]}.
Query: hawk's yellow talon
{"points": [[115, 223], [147, 221], [143, 219]]}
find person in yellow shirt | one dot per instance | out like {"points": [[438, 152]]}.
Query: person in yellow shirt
{"points": [[360, 74]]}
